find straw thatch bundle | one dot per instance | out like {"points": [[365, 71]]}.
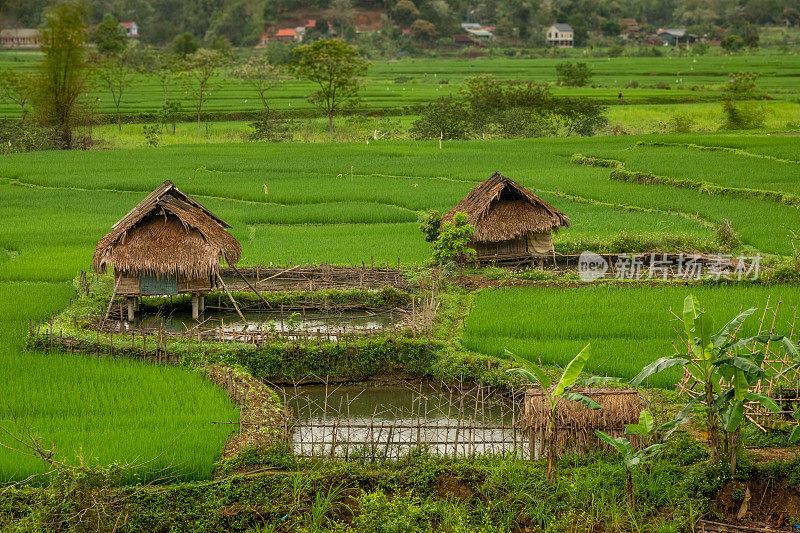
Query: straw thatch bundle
{"points": [[619, 407], [575, 423], [502, 209], [167, 233]]}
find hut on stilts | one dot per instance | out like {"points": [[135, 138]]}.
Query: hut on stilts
{"points": [[511, 223], [168, 244]]}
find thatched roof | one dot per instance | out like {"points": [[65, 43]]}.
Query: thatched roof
{"points": [[619, 407], [167, 233], [501, 209]]}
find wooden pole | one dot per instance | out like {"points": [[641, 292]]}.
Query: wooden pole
{"points": [[235, 306], [111, 302], [251, 287]]}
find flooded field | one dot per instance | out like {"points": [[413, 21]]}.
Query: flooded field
{"points": [[387, 421], [230, 323]]}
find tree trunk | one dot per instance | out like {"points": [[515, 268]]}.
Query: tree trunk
{"points": [[119, 119], [550, 474], [199, 131], [629, 489], [330, 122], [733, 448], [712, 424]]}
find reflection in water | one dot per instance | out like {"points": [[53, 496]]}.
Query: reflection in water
{"points": [[359, 320], [387, 421]]}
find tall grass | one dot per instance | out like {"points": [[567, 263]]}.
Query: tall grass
{"points": [[627, 327]]}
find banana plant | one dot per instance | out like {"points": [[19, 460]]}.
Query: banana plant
{"points": [[632, 457], [563, 390], [715, 359]]}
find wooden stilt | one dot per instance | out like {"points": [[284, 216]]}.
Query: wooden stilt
{"points": [[195, 306]]}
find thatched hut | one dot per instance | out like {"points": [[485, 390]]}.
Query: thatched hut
{"points": [[510, 221], [575, 423], [167, 244]]}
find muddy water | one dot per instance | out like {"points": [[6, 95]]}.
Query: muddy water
{"points": [[359, 320], [386, 421]]}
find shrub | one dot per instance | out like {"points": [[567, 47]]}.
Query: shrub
{"points": [[404, 513], [151, 132], [742, 115], [573, 74], [681, 123], [431, 225], [519, 122], [21, 137], [732, 43], [270, 126], [445, 117]]}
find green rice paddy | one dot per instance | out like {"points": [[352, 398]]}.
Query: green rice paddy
{"points": [[627, 327]]}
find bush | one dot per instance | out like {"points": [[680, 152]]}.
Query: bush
{"points": [[573, 74], [445, 117], [18, 137], [681, 123], [431, 225], [742, 115], [270, 126], [519, 122], [150, 132], [732, 43], [404, 513]]}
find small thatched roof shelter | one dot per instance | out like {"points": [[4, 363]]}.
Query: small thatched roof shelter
{"points": [[509, 219], [167, 244], [575, 423]]}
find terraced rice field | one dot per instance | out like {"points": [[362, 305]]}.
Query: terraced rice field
{"points": [[347, 203]]}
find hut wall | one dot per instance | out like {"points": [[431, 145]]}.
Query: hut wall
{"points": [[539, 243], [530, 243], [134, 285], [127, 284]]}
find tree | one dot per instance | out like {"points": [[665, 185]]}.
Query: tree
{"points": [[184, 44], [109, 36], [163, 66], [342, 15], [738, 113], [750, 35], [63, 75], [336, 68], [573, 74], [444, 118], [577, 116], [580, 29], [453, 241], [423, 31], [610, 28], [732, 43], [562, 391], [405, 12], [431, 225], [199, 70], [17, 87], [115, 76], [260, 75]]}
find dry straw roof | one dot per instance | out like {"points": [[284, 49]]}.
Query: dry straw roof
{"points": [[501, 209], [619, 407], [167, 233]]}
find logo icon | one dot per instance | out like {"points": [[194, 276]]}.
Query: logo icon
{"points": [[591, 267]]}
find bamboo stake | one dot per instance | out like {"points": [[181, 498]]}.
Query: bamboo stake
{"points": [[225, 287]]}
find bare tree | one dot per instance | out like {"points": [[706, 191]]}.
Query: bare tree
{"points": [[259, 74], [114, 75], [199, 71], [17, 87]]}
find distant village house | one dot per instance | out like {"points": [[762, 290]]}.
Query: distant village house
{"points": [[477, 31], [560, 35], [131, 29], [629, 28], [20, 38], [676, 36]]}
